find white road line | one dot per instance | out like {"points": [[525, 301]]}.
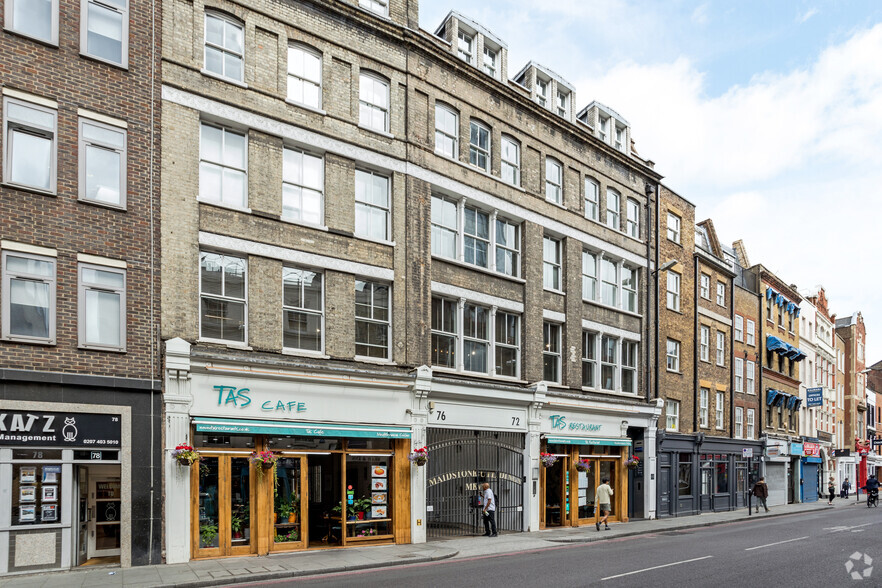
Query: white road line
{"points": [[778, 543], [676, 563], [841, 528]]}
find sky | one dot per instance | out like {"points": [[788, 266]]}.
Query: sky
{"points": [[765, 114]]}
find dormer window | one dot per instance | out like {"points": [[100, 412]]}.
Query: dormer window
{"points": [[563, 101], [541, 92], [464, 46], [490, 61], [620, 138]]}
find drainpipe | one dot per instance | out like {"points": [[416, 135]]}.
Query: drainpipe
{"points": [[657, 227], [695, 342], [761, 324], [732, 362], [647, 322]]}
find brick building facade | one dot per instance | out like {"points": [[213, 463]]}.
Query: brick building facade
{"points": [[80, 286], [781, 401], [419, 250], [852, 332], [702, 463]]}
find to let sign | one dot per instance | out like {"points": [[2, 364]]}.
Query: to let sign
{"points": [[59, 429], [814, 397]]}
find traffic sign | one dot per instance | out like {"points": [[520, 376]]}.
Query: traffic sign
{"points": [[747, 452]]}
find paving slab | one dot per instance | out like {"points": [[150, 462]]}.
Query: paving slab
{"points": [[287, 565]]}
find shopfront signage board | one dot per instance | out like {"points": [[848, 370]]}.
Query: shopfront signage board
{"points": [[59, 429], [451, 414]]}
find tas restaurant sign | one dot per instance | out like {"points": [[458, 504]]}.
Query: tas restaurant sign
{"points": [[59, 429]]}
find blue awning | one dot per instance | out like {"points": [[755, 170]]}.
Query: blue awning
{"points": [[775, 344], [800, 355], [620, 442], [792, 402], [797, 311], [782, 398], [770, 293], [771, 396], [246, 427], [779, 300], [791, 351], [798, 404]]}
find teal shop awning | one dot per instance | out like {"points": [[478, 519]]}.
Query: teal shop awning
{"points": [[621, 442], [244, 427]]}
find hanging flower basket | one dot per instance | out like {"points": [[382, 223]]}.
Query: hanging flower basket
{"points": [[185, 455], [547, 459], [419, 457], [263, 461], [632, 462], [583, 465]]}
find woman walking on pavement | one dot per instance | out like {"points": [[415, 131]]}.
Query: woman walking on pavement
{"points": [[831, 491]]}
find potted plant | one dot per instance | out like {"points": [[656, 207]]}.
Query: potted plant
{"points": [[632, 462], [185, 455], [263, 461], [419, 456], [583, 465], [236, 523], [547, 459], [207, 533], [366, 532], [283, 511], [350, 511], [292, 535], [362, 508]]}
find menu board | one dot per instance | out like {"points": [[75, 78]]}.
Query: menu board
{"points": [[379, 493]]}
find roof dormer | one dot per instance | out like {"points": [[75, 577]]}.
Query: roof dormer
{"points": [[548, 89], [607, 125], [475, 45]]}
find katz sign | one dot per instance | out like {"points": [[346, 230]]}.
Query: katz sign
{"points": [[59, 429]]}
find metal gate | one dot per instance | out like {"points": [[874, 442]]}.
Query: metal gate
{"points": [[460, 461]]}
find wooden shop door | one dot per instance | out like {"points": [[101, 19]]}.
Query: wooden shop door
{"points": [[223, 506]]}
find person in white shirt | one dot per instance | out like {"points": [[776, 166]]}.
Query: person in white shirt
{"points": [[489, 512], [603, 499]]}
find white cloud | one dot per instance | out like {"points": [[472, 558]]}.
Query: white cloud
{"points": [[788, 161], [773, 125], [700, 14], [801, 18]]}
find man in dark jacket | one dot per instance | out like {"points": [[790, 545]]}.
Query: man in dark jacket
{"points": [[761, 491]]}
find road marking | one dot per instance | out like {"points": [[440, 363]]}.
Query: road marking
{"points": [[778, 543], [655, 568], [841, 528]]}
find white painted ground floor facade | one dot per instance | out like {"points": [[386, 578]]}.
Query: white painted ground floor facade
{"points": [[342, 435]]}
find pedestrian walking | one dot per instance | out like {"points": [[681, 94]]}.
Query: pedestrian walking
{"points": [[489, 512], [602, 497], [761, 491], [831, 490], [846, 486]]}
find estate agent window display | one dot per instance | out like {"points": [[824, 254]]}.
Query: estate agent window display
{"points": [[568, 495], [322, 492]]}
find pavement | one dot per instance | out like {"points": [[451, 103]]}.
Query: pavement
{"points": [[237, 570]]}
